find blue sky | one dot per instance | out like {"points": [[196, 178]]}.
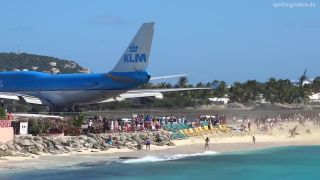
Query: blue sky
{"points": [[223, 40]]}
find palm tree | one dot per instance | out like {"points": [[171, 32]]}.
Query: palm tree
{"points": [[162, 85], [200, 84], [147, 86], [236, 92], [182, 82], [219, 88], [270, 90]]}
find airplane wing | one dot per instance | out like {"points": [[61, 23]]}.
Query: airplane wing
{"points": [[24, 115], [24, 98], [167, 77], [157, 93], [165, 90]]}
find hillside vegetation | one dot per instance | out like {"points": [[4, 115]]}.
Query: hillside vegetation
{"points": [[32, 62]]}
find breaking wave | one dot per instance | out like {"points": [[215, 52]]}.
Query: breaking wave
{"points": [[168, 157]]}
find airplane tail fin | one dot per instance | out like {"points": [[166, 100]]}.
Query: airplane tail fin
{"points": [[136, 56]]}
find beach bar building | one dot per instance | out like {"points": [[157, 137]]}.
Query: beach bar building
{"points": [[6, 131]]}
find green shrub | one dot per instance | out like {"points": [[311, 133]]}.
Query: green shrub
{"points": [[78, 120], [38, 128], [3, 113]]}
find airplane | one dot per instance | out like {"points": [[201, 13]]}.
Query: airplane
{"points": [[303, 79], [60, 90]]}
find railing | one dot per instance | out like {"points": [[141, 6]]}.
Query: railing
{"points": [[190, 115]]}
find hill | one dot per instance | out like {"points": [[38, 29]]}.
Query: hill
{"points": [[32, 62]]}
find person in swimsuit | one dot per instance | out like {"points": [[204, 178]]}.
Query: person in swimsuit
{"points": [[207, 143], [148, 143]]}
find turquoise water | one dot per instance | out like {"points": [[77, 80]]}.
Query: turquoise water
{"points": [[277, 163]]}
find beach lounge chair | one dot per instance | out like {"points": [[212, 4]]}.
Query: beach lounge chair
{"points": [[192, 132], [201, 129], [186, 132], [197, 131], [181, 131], [178, 135], [206, 129], [214, 129], [221, 128], [227, 129]]}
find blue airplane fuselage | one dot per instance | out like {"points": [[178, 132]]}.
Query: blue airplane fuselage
{"points": [[66, 89]]}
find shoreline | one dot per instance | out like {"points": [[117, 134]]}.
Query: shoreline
{"points": [[183, 147]]}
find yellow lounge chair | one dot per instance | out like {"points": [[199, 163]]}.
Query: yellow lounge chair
{"points": [[186, 132], [192, 133], [206, 128], [221, 128], [197, 131], [226, 128], [181, 131], [214, 129], [202, 130]]}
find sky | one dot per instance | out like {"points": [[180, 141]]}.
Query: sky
{"points": [[208, 39]]}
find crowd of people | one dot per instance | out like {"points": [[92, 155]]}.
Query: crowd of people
{"points": [[266, 122], [136, 123], [99, 124]]}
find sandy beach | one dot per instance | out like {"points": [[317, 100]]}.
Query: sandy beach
{"points": [[275, 138]]}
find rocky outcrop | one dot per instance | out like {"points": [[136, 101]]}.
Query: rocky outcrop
{"points": [[38, 145]]}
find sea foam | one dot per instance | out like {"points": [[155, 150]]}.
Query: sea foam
{"points": [[167, 157]]}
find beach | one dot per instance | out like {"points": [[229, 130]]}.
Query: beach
{"points": [[184, 147]]}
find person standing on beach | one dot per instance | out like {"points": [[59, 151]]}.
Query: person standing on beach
{"points": [[112, 126], [148, 144], [206, 146], [90, 126], [249, 125], [254, 140]]}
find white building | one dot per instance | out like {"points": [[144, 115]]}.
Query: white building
{"points": [[222, 101], [55, 70], [70, 65], [305, 82], [53, 63], [315, 98], [85, 70]]}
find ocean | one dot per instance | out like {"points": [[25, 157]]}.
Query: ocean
{"points": [[301, 162]]}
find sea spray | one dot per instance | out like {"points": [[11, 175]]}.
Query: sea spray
{"points": [[168, 157]]}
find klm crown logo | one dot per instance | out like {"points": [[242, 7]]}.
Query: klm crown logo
{"points": [[134, 56], [133, 48]]}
